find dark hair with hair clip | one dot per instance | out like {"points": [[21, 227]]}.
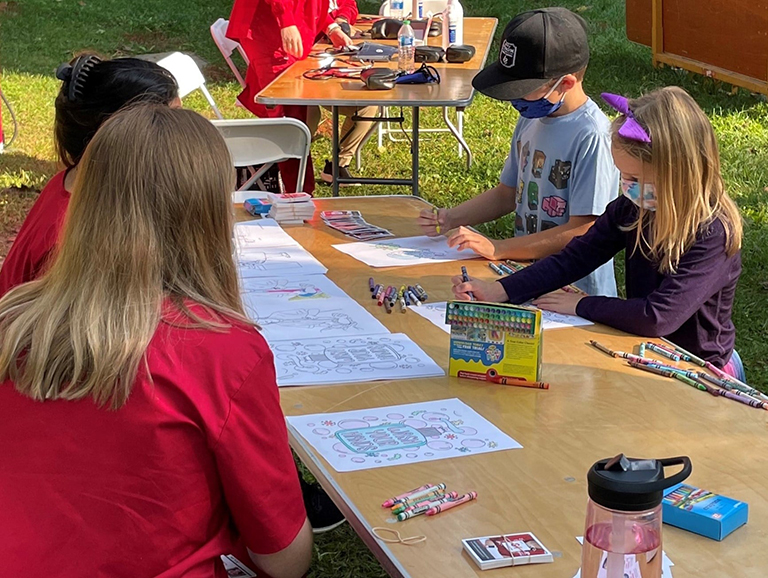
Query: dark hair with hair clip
{"points": [[92, 90]]}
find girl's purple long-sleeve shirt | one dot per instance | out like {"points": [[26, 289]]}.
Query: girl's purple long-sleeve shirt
{"points": [[691, 307]]}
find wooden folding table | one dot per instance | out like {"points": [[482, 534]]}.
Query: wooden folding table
{"points": [[596, 407]]}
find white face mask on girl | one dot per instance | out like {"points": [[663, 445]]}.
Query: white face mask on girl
{"points": [[631, 190]]}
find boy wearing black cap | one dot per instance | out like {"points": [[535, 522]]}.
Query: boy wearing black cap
{"points": [[559, 175]]}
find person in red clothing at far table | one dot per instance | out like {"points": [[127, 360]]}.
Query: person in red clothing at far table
{"points": [[92, 90], [680, 230], [140, 425], [274, 35]]}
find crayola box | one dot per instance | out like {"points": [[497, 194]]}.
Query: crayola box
{"points": [[702, 512], [491, 341]]}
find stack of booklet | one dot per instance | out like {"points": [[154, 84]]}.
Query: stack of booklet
{"points": [[490, 552], [291, 208]]}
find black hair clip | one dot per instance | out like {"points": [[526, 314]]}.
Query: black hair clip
{"points": [[76, 74]]}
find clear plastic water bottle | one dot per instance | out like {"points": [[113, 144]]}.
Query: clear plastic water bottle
{"points": [[406, 49], [396, 9], [622, 532]]}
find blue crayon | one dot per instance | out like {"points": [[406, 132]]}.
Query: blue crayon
{"points": [[495, 269]]}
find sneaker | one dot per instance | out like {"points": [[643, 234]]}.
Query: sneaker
{"points": [[327, 175], [323, 514]]}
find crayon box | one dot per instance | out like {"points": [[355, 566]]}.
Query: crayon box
{"points": [[494, 340], [702, 512]]}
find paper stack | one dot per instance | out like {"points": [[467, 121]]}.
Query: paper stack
{"points": [[291, 208]]}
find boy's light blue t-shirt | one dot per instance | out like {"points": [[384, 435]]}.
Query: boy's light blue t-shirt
{"points": [[562, 166]]}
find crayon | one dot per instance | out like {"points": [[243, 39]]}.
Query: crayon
{"points": [[407, 297], [468, 497], [688, 381], [390, 502], [631, 356], [465, 278], [413, 497], [743, 399], [414, 298], [737, 383], [506, 270], [495, 269], [387, 306], [400, 507], [518, 382], [602, 348], [514, 265], [421, 509], [403, 308], [641, 350], [686, 355], [371, 284], [380, 297], [375, 291], [437, 221], [651, 369], [731, 387], [663, 352], [422, 294]]}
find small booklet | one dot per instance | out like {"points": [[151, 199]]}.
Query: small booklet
{"points": [[490, 552]]}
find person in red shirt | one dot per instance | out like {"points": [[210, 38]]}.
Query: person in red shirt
{"points": [[140, 427], [274, 35], [92, 90]]}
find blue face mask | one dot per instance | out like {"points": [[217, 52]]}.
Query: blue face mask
{"points": [[538, 108], [631, 190]]}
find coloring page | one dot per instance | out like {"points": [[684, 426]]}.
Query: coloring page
{"points": [[308, 305], [268, 262], [261, 233], [350, 359], [404, 251], [435, 312], [402, 434]]}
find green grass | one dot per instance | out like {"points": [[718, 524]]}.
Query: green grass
{"points": [[37, 35]]}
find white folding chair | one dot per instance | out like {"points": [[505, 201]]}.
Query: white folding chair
{"points": [[265, 141], [227, 46], [188, 77]]}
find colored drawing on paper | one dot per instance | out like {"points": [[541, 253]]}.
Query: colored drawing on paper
{"points": [[404, 251], [389, 436], [435, 312], [306, 307], [350, 359], [271, 261]]}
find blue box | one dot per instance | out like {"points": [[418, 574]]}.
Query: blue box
{"points": [[702, 512], [257, 206]]}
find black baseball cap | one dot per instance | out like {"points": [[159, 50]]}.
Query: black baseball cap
{"points": [[536, 47]]}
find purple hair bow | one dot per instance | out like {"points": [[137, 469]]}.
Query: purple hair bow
{"points": [[631, 129]]}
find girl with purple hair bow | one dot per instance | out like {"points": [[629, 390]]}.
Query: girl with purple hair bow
{"points": [[680, 230]]}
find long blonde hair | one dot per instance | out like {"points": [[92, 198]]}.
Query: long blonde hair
{"points": [[690, 192], [148, 230]]}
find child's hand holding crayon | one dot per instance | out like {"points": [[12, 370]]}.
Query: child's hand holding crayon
{"points": [[481, 290], [434, 222]]}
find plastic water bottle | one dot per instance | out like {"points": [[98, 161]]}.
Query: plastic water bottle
{"points": [[396, 9], [622, 531], [406, 50], [453, 24]]}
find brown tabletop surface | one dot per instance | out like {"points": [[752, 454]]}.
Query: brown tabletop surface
{"points": [[455, 88], [596, 407]]}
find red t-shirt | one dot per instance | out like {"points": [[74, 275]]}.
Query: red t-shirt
{"points": [[162, 486], [37, 237]]}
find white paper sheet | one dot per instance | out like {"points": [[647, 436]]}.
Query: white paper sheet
{"points": [[309, 306], [435, 312], [401, 434], [632, 568], [261, 233], [271, 261], [404, 251], [350, 359]]}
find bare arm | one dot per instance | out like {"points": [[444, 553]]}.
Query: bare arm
{"points": [[523, 248], [544, 243], [290, 562]]}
